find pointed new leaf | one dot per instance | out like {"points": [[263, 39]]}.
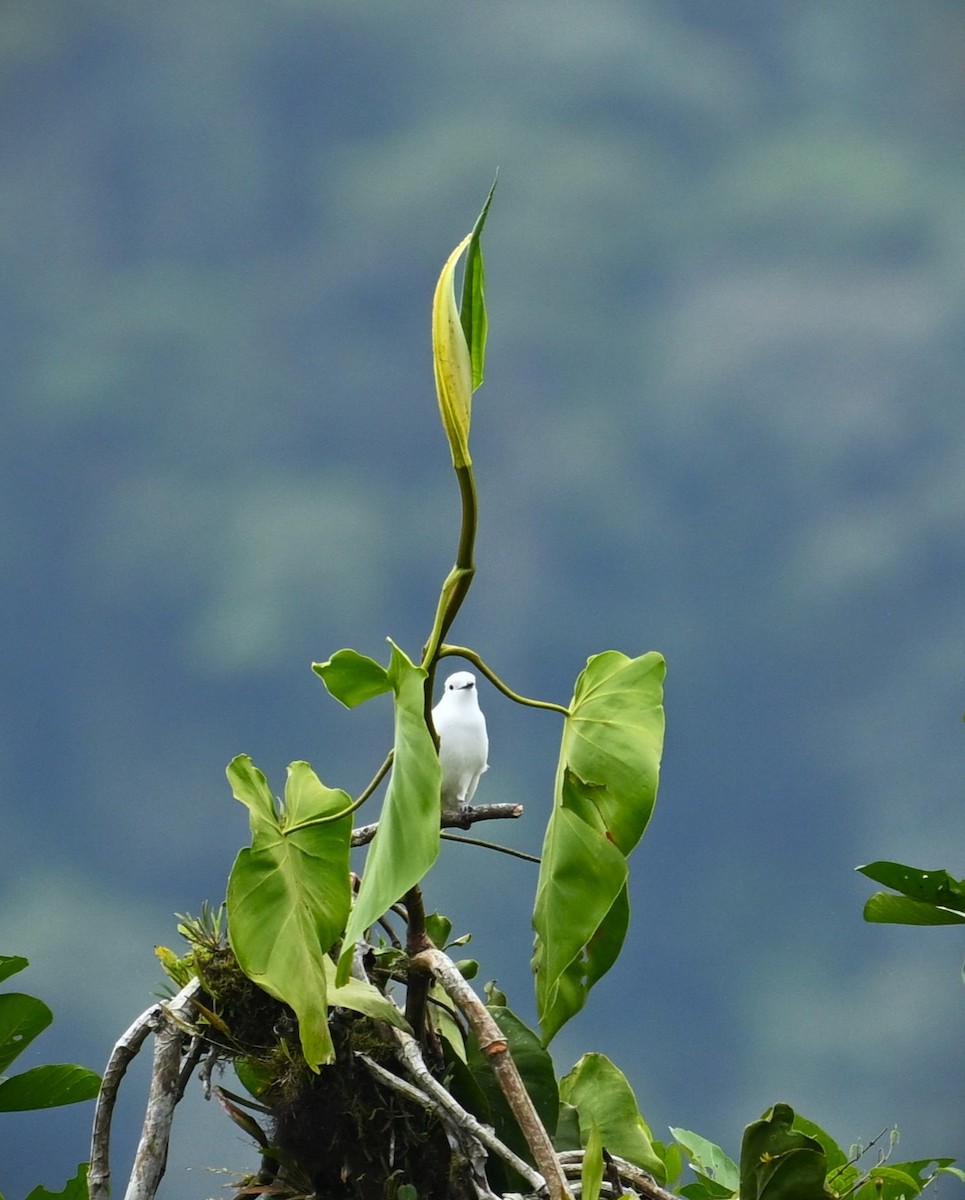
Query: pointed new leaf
{"points": [[407, 841], [289, 893], [600, 1093], [48, 1087], [22, 1017], [591, 1174], [352, 678], [472, 312], [452, 361], [606, 786]]}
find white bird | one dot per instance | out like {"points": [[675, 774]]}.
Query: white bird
{"points": [[463, 741]]}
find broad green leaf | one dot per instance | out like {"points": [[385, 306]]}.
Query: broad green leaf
{"points": [[779, 1162], [536, 1070], [289, 893], [885, 908], [22, 1017], [362, 997], [709, 1161], [10, 964], [352, 678], [48, 1087], [472, 312], [601, 1094], [406, 843], [586, 873], [74, 1189], [591, 1176], [606, 786]]}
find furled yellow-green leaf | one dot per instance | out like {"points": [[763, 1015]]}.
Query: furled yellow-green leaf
{"points": [[407, 841], [459, 339], [606, 786], [289, 893]]}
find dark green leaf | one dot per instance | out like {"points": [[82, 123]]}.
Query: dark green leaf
{"points": [[48, 1087], [472, 311], [535, 1067], [407, 842], [10, 964], [606, 786], [74, 1189], [289, 893], [601, 1094], [937, 887], [779, 1162], [352, 678], [22, 1017]]}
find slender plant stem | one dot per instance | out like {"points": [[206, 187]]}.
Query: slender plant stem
{"points": [[446, 651], [513, 853], [380, 774]]}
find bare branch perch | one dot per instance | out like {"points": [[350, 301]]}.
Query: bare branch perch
{"points": [[483, 812]]}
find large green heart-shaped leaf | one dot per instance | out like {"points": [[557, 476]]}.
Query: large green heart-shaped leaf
{"points": [[606, 786], [289, 893], [603, 1097], [406, 843]]}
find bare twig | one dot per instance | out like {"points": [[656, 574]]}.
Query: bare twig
{"points": [[640, 1180], [496, 1050], [441, 1099], [362, 835]]}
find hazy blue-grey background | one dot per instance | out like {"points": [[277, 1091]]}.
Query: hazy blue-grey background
{"points": [[723, 419]]}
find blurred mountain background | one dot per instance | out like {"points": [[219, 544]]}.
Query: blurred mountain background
{"points": [[722, 419]]}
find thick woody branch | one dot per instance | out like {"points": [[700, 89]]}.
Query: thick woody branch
{"points": [[496, 1050], [168, 1019]]}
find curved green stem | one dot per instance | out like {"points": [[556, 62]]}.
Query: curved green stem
{"points": [[380, 774], [457, 583], [446, 651]]}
